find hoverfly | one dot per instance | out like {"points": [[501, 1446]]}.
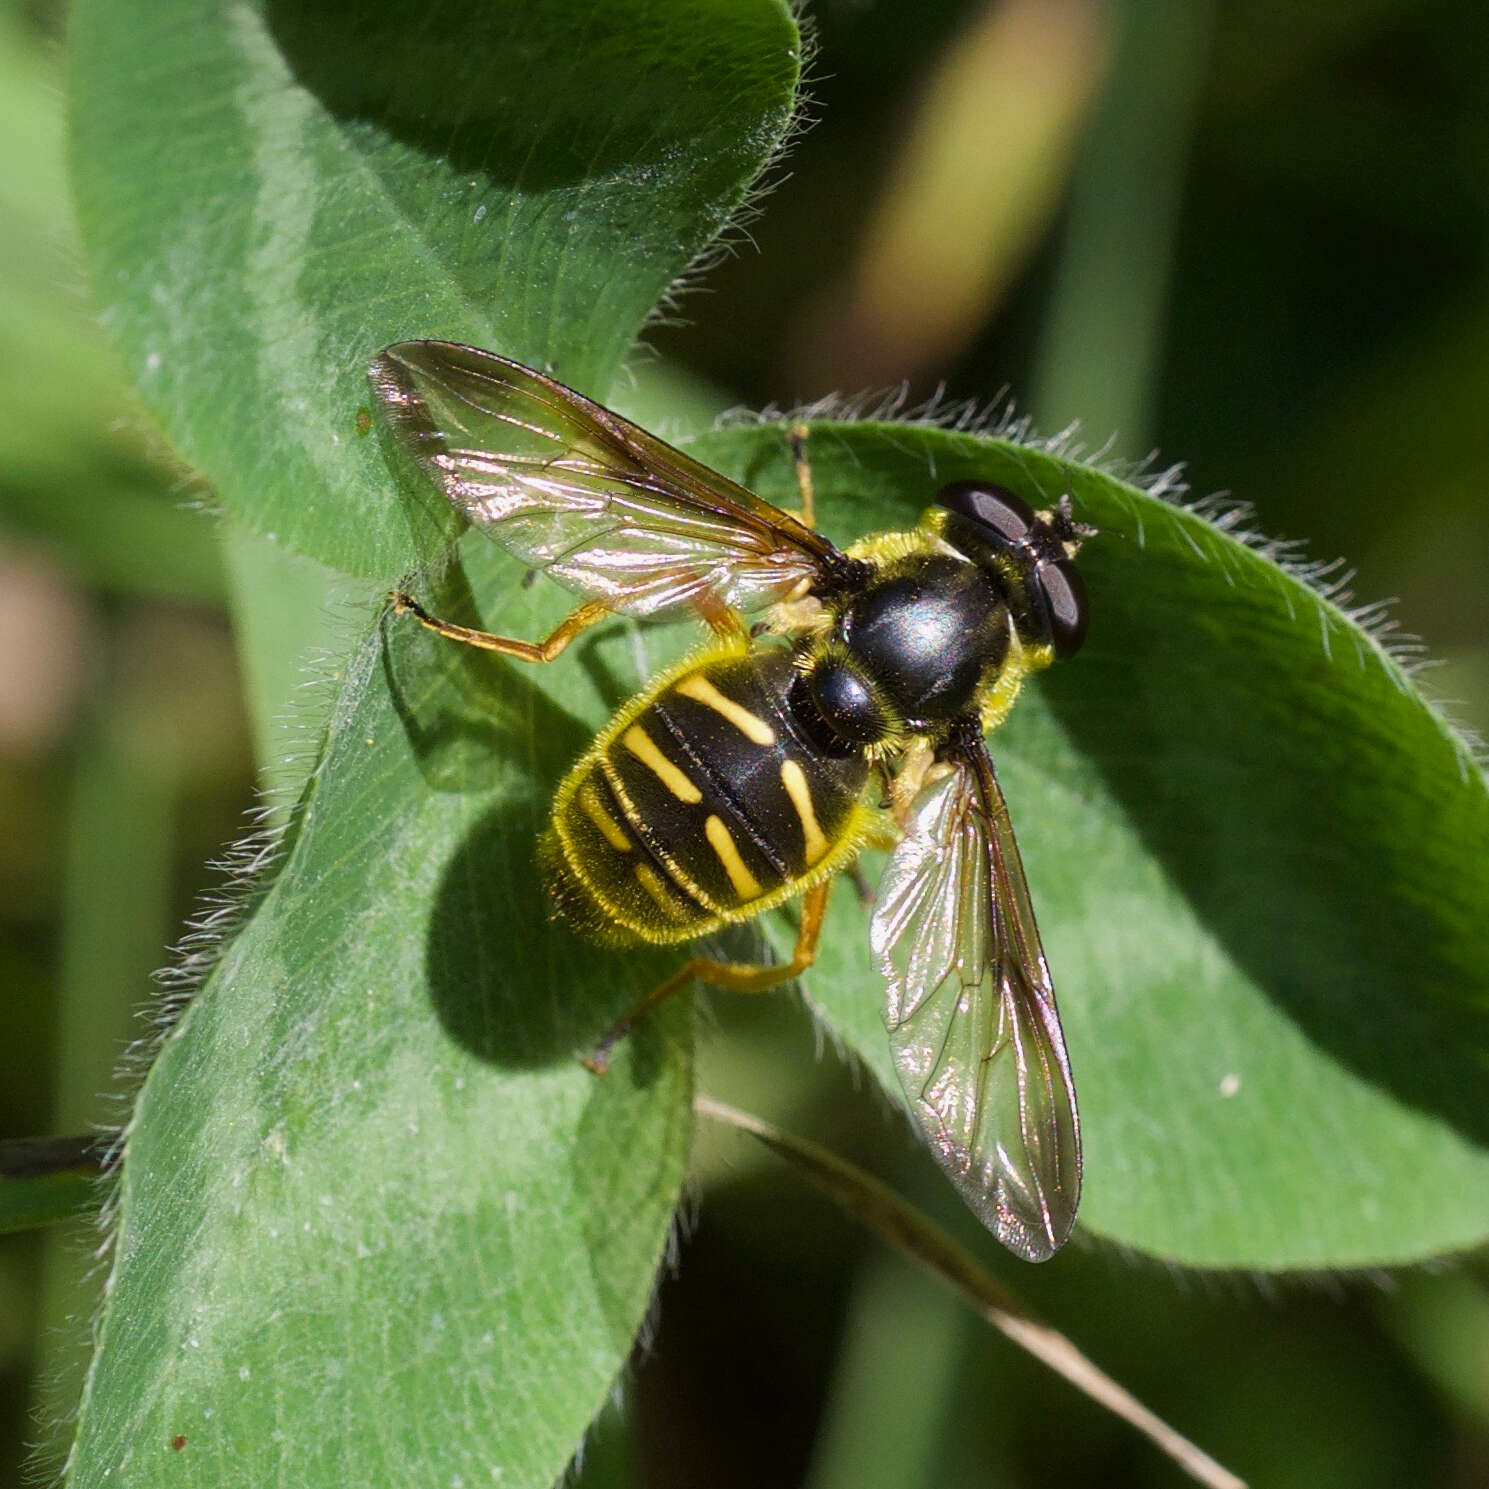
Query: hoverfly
{"points": [[757, 769]]}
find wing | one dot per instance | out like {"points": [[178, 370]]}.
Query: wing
{"points": [[972, 1019], [606, 509]]}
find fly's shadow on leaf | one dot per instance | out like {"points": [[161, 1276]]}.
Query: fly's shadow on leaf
{"points": [[452, 701], [467, 712], [431, 522], [510, 982], [1276, 808]]}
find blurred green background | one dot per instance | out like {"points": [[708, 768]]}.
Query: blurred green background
{"points": [[1252, 236]]}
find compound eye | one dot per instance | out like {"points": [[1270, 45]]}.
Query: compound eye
{"points": [[1008, 516], [1064, 594], [846, 704]]}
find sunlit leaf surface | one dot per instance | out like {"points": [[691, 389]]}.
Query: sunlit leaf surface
{"points": [[271, 191]]}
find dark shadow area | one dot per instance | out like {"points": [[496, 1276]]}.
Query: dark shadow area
{"points": [[588, 657], [463, 708], [516, 984], [512, 982], [430, 520], [458, 705], [499, 90], [770, 467], [765, 1246], [1369, 938]]}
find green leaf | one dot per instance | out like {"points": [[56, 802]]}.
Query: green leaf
{"points": [[375, 1222], [1258, 860], [1254, 851], [270, 192], [373, 1211]]}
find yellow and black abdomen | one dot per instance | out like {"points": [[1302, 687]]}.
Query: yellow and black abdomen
{"points": [[701, 804]]}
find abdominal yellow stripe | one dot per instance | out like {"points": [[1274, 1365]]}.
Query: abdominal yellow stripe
{"points": [[752, 726], [595, 811], [793, 778], [653, 886], [746, 886], [640, 744], [688, 891]]}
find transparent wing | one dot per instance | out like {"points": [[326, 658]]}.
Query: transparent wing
{"points": [[972, 1019], [606, 509]]}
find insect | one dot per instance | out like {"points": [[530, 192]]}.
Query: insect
{"points": [[760, 767]]}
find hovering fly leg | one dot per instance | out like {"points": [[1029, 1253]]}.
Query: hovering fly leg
{"points": [[524, 651], [737, 977], [796, 437]]}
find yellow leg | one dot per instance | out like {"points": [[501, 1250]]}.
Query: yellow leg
{"points": [[796, 437], [726, 624], [524, 651], [917, 769], [737, 977]]}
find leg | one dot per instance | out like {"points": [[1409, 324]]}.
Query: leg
{"points": [[524, 651], [726, 624], [796, 437], [737, 977], [917, 769]]}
